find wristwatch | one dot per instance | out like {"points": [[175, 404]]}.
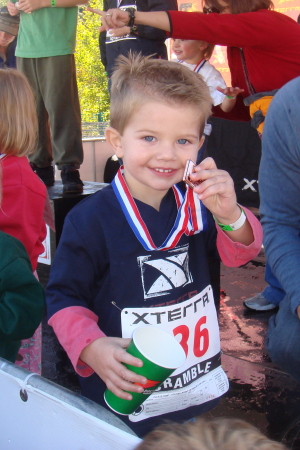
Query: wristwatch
{"points": [[131, 12], [134, 29]]}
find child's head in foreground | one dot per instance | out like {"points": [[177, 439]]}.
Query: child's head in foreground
{"points": [[215, 434], [18, 121], [158, 113], [192, 51]]}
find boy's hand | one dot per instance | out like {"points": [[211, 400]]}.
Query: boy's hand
{"points": [[13, 11], [105, 356], [231, 91], [28, 6], [216, 191]]}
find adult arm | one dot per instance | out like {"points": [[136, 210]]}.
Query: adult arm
{"points": [[117, 18], [233, 30], [279, 186]]}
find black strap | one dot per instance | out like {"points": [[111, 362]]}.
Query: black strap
{"points": [[245, 70]]}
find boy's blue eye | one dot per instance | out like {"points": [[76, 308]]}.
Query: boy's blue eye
{"points": [[149, 138], [182, 141]]}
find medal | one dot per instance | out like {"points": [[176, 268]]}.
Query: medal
{"points": [[190, 219]]}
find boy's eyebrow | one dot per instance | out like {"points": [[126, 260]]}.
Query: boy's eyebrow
{"points": [[146, 130]]}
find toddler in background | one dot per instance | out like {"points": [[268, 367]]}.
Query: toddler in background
{"points": [[214, 434], [195, 55], [23, 193]]}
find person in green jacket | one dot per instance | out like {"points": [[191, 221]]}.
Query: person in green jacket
{"points": [[22, 299]]}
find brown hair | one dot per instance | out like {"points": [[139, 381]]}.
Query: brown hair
{"points": [[215, 434], [240, 6], [208, 51], [210, 47], [18, 120], [138, 79]]}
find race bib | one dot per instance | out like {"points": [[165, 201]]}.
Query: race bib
{"points": [[194, 324], [110, 39]]}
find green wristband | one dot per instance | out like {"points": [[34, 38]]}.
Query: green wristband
{"points": [[236, 225], [231, 98]]}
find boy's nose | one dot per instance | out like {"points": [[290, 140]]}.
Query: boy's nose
{"points": [[166, 152]]}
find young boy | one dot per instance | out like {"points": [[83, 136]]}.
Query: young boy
{"points": [[195, 55], [219, 433], [136, 253]]}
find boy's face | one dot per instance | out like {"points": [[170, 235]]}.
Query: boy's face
{"points": [[188, 50], [155, 146]]}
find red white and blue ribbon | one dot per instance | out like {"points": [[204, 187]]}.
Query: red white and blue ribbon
{"points": [[191, 215], [198, 66]]}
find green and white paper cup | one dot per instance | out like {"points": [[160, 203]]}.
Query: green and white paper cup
{"points": [[161, 354]]}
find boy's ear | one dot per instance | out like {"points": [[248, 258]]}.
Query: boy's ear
{"points": [[113, 137], [203, 45], [201, 141]]}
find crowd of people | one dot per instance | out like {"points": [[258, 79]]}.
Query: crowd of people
{"points": [[138, 251]]}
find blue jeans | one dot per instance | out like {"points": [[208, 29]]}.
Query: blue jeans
{"points": [[273, 292], [282, 341], [279, 188]]}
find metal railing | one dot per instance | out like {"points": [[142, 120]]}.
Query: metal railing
{"points": [[93, 129]]}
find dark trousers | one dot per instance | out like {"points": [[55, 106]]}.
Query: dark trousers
{"points": [[53, 80]]}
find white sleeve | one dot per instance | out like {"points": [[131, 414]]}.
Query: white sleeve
{"points": [[213, 79]]}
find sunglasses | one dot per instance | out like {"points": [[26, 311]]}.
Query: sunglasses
{"points": [[211, 9]]}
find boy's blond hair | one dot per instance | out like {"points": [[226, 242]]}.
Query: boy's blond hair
{"points": [[215, 434], [138, 80], [18, 120]]}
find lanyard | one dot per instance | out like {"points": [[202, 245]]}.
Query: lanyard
{"points": [[191, 215]]}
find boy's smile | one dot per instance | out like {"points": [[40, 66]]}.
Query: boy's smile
{"points": [[155, 146]]}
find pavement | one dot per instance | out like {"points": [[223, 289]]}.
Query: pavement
{"points": [[259, 392]]}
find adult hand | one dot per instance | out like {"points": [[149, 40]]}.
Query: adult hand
{"points": [[105, 356], [113, 18], [298, 312]]}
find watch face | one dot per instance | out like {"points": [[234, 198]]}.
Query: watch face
{"points": [[189, 169]]}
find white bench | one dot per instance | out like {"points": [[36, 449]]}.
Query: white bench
{"points": [[36, 414]]}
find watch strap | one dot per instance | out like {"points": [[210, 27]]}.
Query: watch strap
{"points": [[134, 29], [131, 12]]}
